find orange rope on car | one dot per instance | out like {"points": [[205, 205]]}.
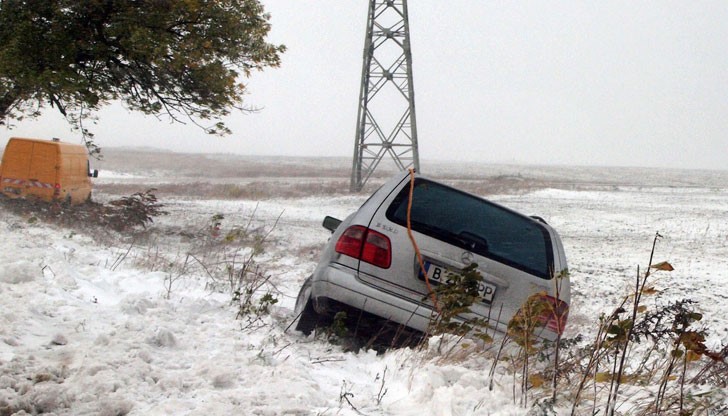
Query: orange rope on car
{"points": [[414, 243]]}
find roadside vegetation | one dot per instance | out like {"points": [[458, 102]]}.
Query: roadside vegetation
{"points": [[644, 356], [124, 214]]}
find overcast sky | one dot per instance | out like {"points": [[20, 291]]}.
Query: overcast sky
{"points": [[620, 83]]}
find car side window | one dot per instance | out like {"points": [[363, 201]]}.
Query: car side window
{"points": [[477, 225]]}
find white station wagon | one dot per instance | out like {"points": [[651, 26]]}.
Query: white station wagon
{"points": [[370, 265]]}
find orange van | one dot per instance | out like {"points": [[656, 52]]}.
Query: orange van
{"points": [[46, 169]]}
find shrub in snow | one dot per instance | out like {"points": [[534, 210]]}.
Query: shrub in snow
{"points": [[59, 339], [115, 407], [163, 338], [5, 408], [145, 356], [7, 382], [136, 210], [42, 398], [19, 272], [223, 381], [13, 342], [102, 340], [65, 280], [135, 306]]}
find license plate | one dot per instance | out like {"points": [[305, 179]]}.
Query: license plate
{"points": [[438, 275]]}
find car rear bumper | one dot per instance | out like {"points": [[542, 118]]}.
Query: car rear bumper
{"points": [[340, 284]]}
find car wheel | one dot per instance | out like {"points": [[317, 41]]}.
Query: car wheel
{"points": [[307, 316]]}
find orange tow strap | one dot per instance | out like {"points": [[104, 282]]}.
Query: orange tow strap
{"points": [[414, 243]]}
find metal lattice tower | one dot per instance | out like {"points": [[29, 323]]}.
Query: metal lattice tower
{"points": [[386, 118]]}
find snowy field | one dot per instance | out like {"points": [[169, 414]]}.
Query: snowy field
{"points": [[93, 322]]}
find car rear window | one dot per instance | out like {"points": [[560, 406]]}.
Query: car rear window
{"points": [[477, 225]]}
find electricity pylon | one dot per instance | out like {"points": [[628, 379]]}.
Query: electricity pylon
{"points": [[386, 123]]}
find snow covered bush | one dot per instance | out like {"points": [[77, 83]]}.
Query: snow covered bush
{"points": [[136, 210]]}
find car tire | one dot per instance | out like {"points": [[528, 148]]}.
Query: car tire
{"points": [[307, 316]]}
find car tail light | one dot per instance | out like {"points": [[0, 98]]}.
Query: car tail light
{"points": [[366, 245], [377, 250], [555, 316], [351, 241]]}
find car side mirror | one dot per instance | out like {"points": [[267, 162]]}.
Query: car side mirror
{"points": [[331, 223]]}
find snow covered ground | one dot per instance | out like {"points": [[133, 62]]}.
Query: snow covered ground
{"points": [[90, 326]]}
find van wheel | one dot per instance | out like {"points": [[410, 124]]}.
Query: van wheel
{"points": [[308, 319]]}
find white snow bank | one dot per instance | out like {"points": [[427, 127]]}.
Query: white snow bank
{"points": [[80, 334]]}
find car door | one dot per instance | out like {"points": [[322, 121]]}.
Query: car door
{"points": [[16, 166], [44, 170]]}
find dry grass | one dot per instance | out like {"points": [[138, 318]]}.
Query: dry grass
{"points": [[216, 176], [201, 166], [257, 178], [257, 190]]}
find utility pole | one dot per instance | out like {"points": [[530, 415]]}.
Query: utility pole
{"points": [[386, 123]]}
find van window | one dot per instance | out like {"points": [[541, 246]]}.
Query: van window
{"points": [[476, 225]]}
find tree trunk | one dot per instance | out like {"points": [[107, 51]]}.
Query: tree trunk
{"points": [[7, 101]]}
